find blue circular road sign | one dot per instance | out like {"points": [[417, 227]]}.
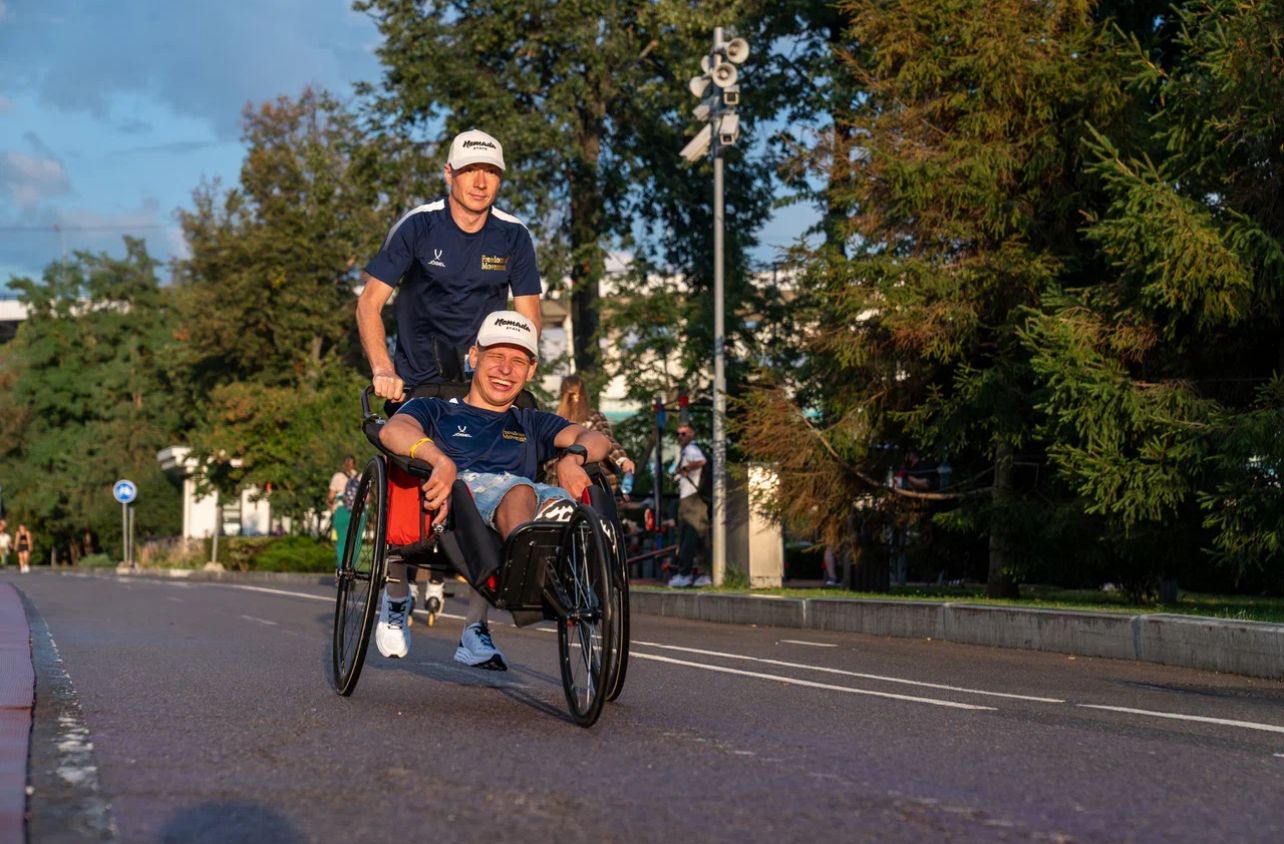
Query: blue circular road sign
{"points": [[124, 491]]}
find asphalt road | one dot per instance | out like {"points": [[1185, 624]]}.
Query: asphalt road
{"points": [[211, 720]]}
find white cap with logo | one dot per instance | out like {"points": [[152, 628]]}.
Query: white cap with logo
{"points": [[475, 147], [511, 328]]}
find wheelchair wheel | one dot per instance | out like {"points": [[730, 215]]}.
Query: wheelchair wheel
{"points": [[360, 577], [586, 632], [620, 611]]}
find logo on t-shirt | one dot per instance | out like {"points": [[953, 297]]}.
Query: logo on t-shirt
{"points": [[436, 259], [494, 262], [462, 432], [515, 435]]}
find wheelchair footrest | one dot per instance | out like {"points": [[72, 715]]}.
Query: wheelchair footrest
{"points": [[530, 551]]}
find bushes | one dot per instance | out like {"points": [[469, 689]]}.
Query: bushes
{"points": [[274, 553], [295, 553]]}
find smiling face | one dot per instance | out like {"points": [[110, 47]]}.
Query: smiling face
{"points": [[500, 372], [474, 187]]}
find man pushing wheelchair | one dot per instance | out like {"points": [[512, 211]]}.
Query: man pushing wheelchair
{"points": [[496, 449]]}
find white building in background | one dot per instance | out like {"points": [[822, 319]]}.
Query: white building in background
{"points": [[242, 516], [12, 314]]}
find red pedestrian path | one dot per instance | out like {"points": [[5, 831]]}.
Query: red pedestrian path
{"points": [[17, 693]]}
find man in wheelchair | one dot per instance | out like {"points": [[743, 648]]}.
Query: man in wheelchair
{"points": [[495, 449]]}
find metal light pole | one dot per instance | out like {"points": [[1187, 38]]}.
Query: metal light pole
{"points": [[721, 130], [719, 365]]}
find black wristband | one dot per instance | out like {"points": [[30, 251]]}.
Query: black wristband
{"points": [[576, 448]]}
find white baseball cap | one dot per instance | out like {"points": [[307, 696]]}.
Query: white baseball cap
{"points": [[511, 328], [475, 147]]}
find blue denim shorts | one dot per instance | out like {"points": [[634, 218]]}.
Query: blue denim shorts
{"points": [[489, 489]]}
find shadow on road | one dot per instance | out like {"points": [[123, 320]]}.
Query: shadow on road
{"points": [[232, 820], [439, 665]]}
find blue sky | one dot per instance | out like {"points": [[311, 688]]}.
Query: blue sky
{"points": [[113, 111]]}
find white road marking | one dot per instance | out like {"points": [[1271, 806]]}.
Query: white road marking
{"points": [[329, 599], [1250, 725], [943, 687], [810, 684], [810, 644], [326, 598], [1225, 722], [259, 620]]}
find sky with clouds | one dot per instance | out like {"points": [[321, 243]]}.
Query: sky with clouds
{"points": [[113, 111]]}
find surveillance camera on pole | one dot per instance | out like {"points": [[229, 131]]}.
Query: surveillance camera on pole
{"points": [[728, 129], [699, 145]]}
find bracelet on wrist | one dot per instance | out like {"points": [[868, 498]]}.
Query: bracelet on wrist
{"points": [[418, 443]]}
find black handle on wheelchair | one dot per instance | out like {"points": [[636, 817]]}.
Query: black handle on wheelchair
{"points": [[372, 423]]}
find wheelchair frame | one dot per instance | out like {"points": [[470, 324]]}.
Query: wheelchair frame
{"points": [[570, 569]]}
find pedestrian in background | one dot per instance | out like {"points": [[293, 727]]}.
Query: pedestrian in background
{"points": [[574, 405], [693, 512], [23, 543], [6, 542], [339, 513]]}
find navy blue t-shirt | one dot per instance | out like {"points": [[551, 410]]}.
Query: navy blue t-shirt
{"points": [[479, 440], [450, 280]]}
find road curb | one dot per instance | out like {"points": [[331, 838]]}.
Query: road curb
{"points": [[17, 697], [1253, 648]]}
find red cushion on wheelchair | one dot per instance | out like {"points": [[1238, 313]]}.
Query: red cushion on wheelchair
{"points": [[407, 521]]}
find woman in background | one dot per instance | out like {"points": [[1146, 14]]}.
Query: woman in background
{"points": [[573, 405], [23, 543]]}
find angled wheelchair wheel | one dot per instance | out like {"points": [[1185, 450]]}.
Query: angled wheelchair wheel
{"points": [[586, 631], [620, 612], [602, 499], [360, 577]]}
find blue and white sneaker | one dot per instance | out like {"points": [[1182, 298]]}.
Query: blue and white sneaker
{"points": [[391, 634], [477, 649]]}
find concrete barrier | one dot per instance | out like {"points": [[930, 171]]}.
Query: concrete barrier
{"points": [[1237, 647], [1241, 647], [1060, 631], [904, 619]]}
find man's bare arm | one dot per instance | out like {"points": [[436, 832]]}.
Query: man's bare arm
{"points": [[595, 443], [374, 341], [400, 434], [528, 306]]}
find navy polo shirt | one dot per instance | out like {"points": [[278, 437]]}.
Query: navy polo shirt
{"points": [[479, 440], [450, 280]]}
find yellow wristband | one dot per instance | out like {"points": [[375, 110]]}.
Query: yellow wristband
{"points": [[418, 443]]}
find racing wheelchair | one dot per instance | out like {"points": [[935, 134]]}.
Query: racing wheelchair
{"points": [[568, 566]]}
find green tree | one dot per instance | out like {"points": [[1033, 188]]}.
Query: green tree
{"points": [[268, 337], [1163, 378], [88, 399], [965, 186], [267, 292]]}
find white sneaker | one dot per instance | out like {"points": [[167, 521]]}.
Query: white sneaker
{"points": [[391, 635], [435, 596], [702, 580], [680, 580], [477, 649]]}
